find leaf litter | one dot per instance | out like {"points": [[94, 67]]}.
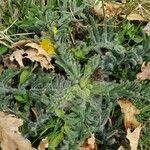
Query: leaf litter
{"points": [[10, 137], [89, 144], [32, 51], [132, 125], [130, 112], [145, 72]]}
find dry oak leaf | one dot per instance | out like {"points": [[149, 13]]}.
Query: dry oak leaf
{"points": [[133, 137], [89, 144], [18, 56], [129, 110], [43, 144], [135, 16], [111, 9], [145, 72], [20, 43], [10, 138], [32, 51]]}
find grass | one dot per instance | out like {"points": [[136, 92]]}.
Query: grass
{"points": [[96, 63]]}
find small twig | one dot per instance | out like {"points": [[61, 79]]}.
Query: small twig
{"points": [[22, 34], [3, 43], [5, 31]]}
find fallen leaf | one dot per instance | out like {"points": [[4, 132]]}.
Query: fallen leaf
{"points": [[121, 148], [18, 56], [43, 144], [147, 29], [10, 137], [129, 111], [20, 43], [32, 51], [110, 9], [113, 9], [135, 16], [89, 144], [145, 72], [5, 61], [98, 10], [133, 137], [1, 69]]}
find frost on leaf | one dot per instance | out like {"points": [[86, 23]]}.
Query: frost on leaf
{"points": [[129, 110], [89, 144], [32, 51], [10, 138], [133, 137], [145, 72]]}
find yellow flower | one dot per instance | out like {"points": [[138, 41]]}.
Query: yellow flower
{"points": [[48, 46], [55, 30]]}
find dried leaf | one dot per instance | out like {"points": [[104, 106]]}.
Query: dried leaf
{"points": [[10, 138], [20, 43], [133, 137], [5, 61], [89, 144], [1, 69], [145, 72], [40, 50], [121, 148], [110, 9], [135, 16], [43, 144], [18, 56], [113, 9], [32, 51], [129, 111], [147, 29], [98, 10]]}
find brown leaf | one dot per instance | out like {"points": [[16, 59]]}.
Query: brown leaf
{"points": [[147, 29], [135, 16], [98, 10], [121, 148], [43, 144], [20, 43], [133, 137], [33, 52], [145, 72], [89, 144], [110, 9], [18, 56], [129, 111], [10, 138], [1, 69]]}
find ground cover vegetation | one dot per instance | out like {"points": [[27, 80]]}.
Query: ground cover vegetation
{"points": [[74, 75]]}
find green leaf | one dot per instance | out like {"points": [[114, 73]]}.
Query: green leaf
{"points": [[60, 113], [20, 99], [3, 49], [24, 76], [55, 139]]}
